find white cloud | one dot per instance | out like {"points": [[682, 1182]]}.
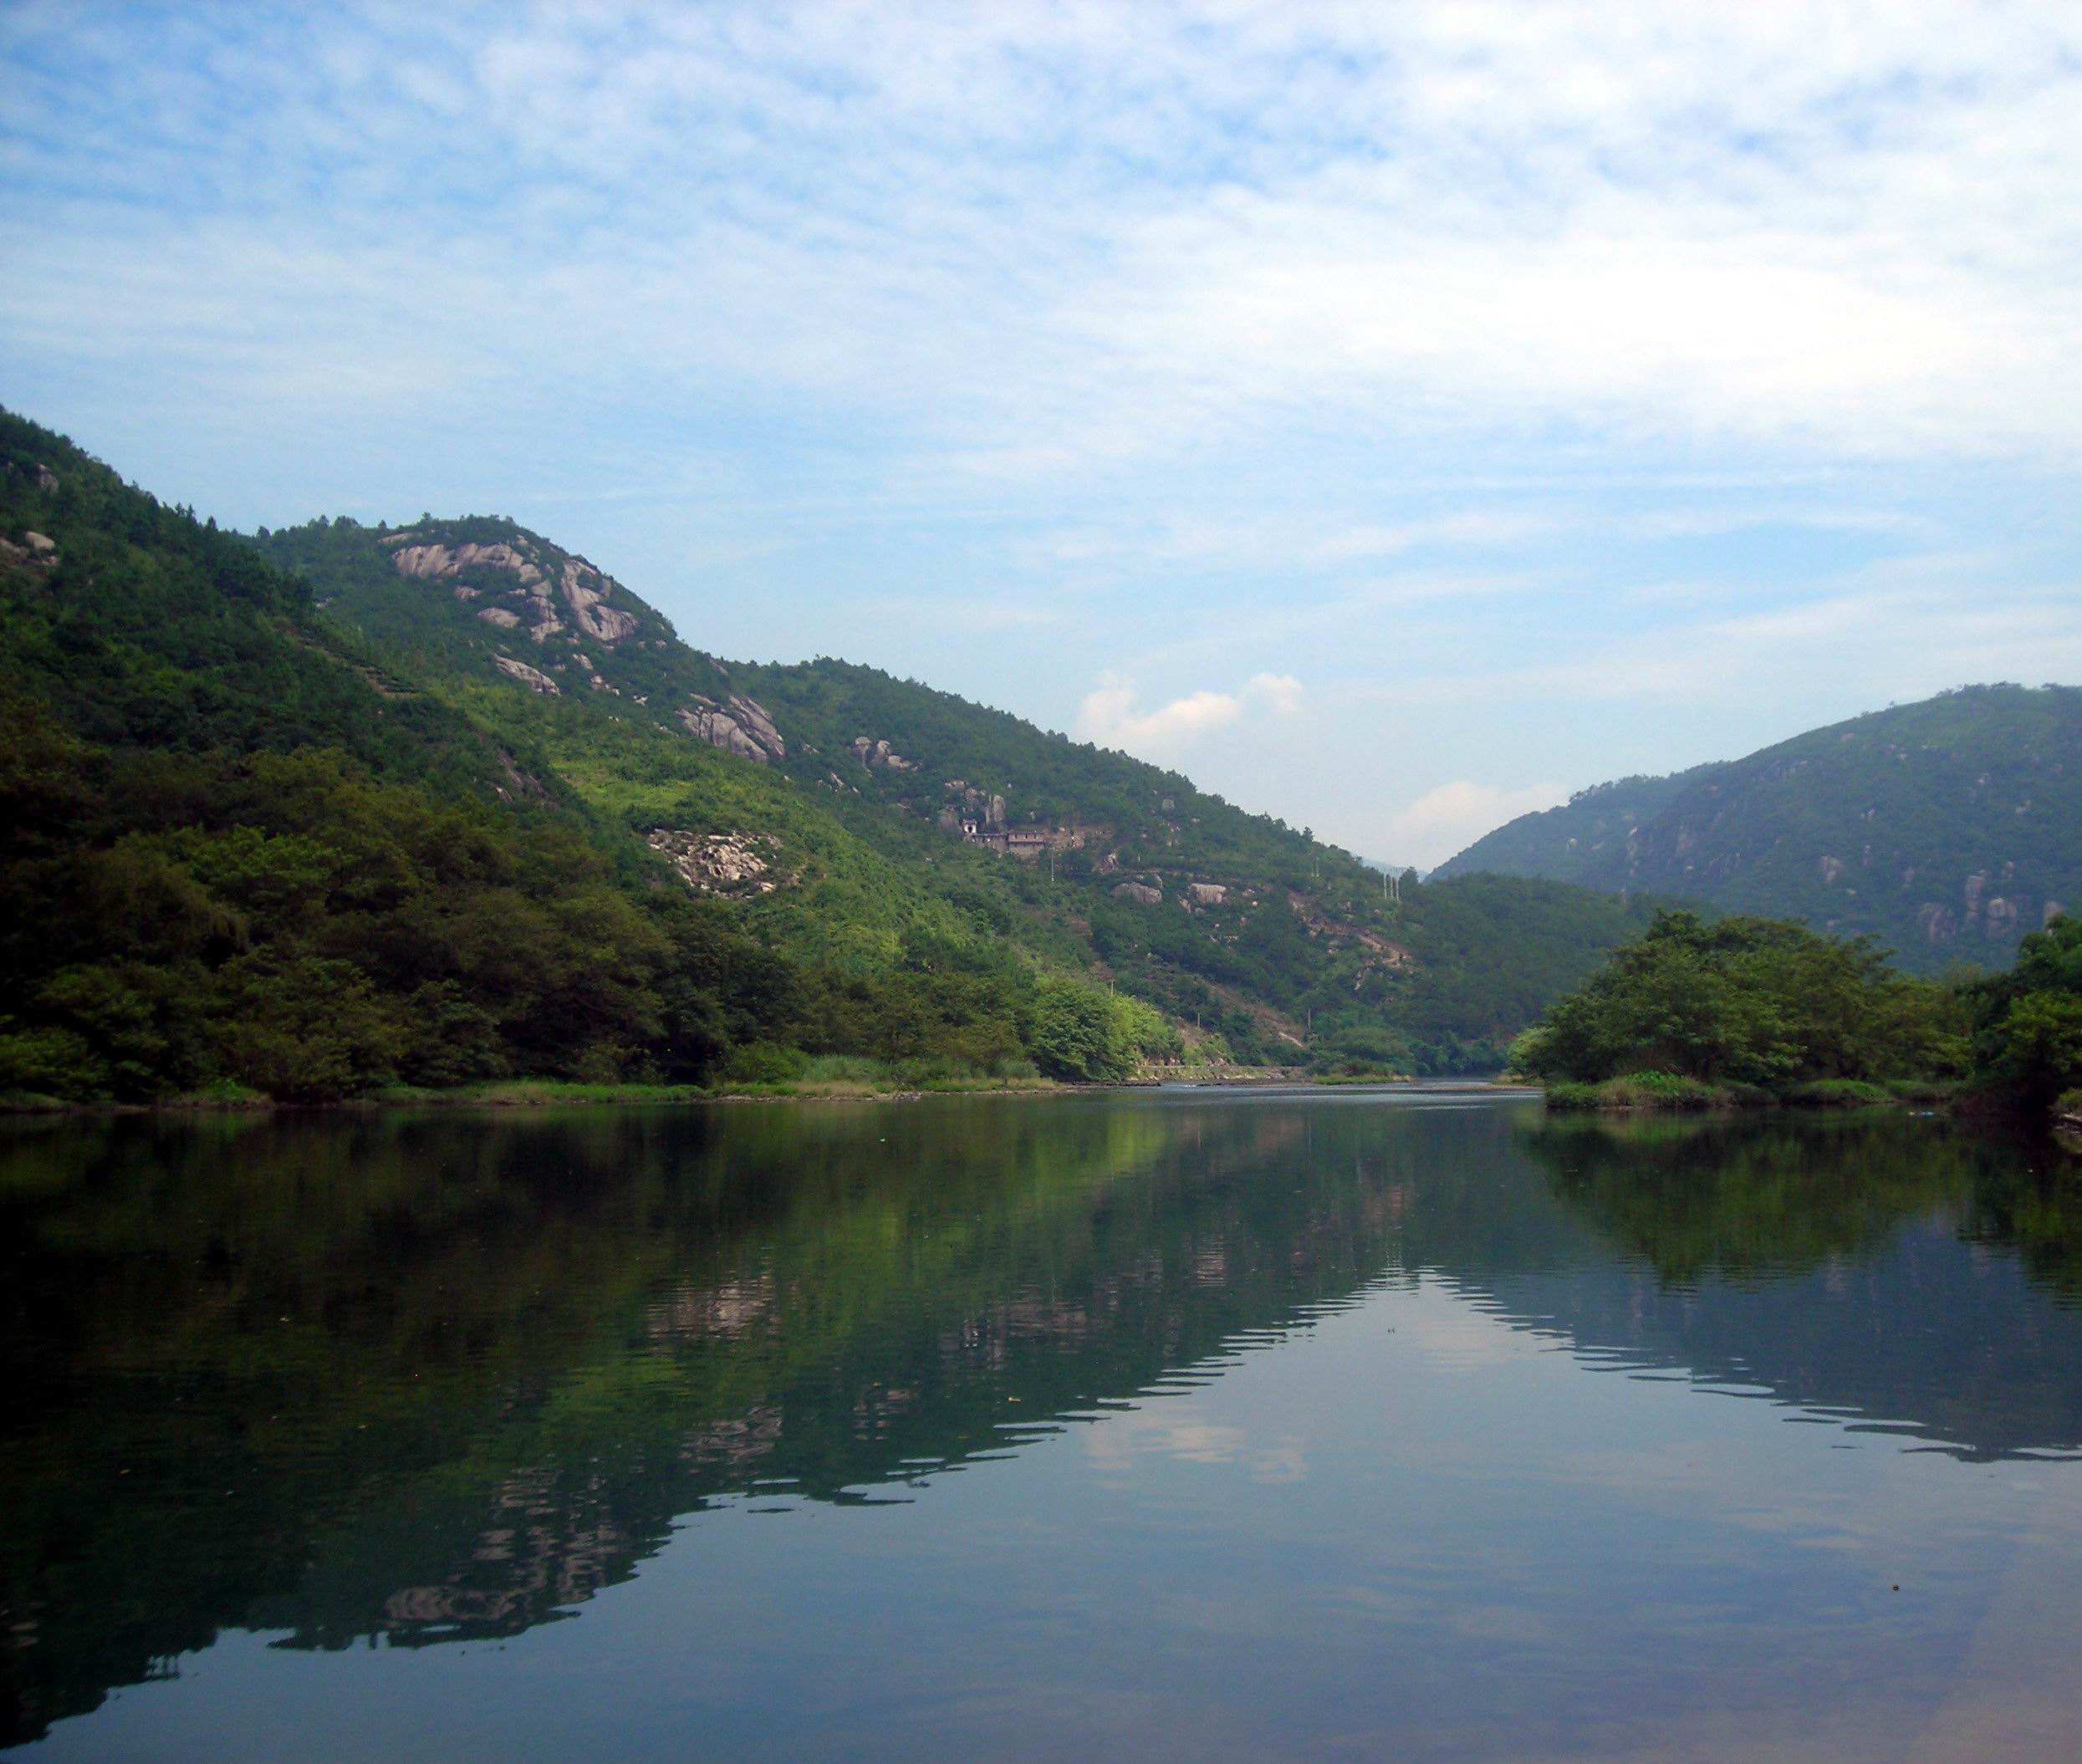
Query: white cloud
{"points": [[1451, 816], [1040, 231], [1346, 341], [1109, 717]]}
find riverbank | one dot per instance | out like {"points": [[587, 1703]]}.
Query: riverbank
{"points": [[546, 1093], [891, 1085]]}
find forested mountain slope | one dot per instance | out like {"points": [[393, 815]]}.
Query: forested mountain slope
{"points": [[1230, 923], [1947, 828], [410, 810]]}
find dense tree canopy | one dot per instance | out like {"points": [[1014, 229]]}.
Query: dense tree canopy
{"points": [[2027, 1040], [1751, 1001]]}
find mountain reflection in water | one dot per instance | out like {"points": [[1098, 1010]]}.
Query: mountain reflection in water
{"points": [[448, 1376]]}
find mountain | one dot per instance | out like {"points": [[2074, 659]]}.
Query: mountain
{"points": [[314, 811], [1947, 830], [1232, 924]]}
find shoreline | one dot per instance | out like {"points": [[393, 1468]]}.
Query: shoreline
{"points": [[554, 1093]]}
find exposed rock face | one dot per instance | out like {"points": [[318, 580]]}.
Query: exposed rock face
{"points": [[432, 562], [734, 865], [585, 590], [585, 593], [1832, 867], [499, 616], [876, 755], [532, 678], [1141, 892], [46, 479], [1207, 894], [2001, 917], [35, 549], [1938, 922], [520, 786], [975, 815], [741, 727], [753, 716]]}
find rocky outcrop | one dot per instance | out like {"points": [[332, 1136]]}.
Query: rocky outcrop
{"points": [[753, 716], [742, 727], [35, 547], [877, 755], [532, 678], [975, 815], [499, 616], [585, 593], [1141, 893], [730, 865], [520, 786], [533, 598], [1207, 894], [431, 563]]}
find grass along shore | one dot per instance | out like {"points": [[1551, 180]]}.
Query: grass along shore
{"points": [[1671, 1091]]}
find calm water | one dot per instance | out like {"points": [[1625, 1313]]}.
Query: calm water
{"points": [[1196, 1426]]}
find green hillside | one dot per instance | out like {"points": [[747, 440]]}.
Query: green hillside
{"points": [[409, 812], [1236, 925], [1948, 829]]}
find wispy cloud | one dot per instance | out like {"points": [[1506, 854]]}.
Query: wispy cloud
{"points": [[1049, 231], [1109, 715], [1452, 816], [1538, 377]]}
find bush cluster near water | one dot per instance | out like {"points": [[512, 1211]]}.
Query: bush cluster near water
{"points": [[1702, 1014]]}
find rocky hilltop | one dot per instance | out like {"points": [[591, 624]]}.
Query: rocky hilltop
{"points": [[1946, 829]]}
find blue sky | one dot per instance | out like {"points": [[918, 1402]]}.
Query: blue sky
{"points": [[1394, 416]]}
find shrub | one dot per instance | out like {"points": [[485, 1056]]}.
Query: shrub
{"points": [[1840, 1092], [1075, 1034], [767, 1062], [1657, 1090]]}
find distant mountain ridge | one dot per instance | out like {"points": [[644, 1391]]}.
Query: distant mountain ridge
{"points": [[1947, 828]]}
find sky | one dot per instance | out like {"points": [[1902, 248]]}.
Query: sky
{"points": [[1395, 416]]}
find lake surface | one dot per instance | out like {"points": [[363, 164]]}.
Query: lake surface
{"points": [[1187, 1424]]}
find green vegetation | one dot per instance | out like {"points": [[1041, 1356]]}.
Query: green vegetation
{"points": [[240, 848], [1697, 1012], [2028, 1037], [1287, 952], [1296, 957], [1948, 829], [348, 808], [1663, 1090], [1695, 1015]]}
